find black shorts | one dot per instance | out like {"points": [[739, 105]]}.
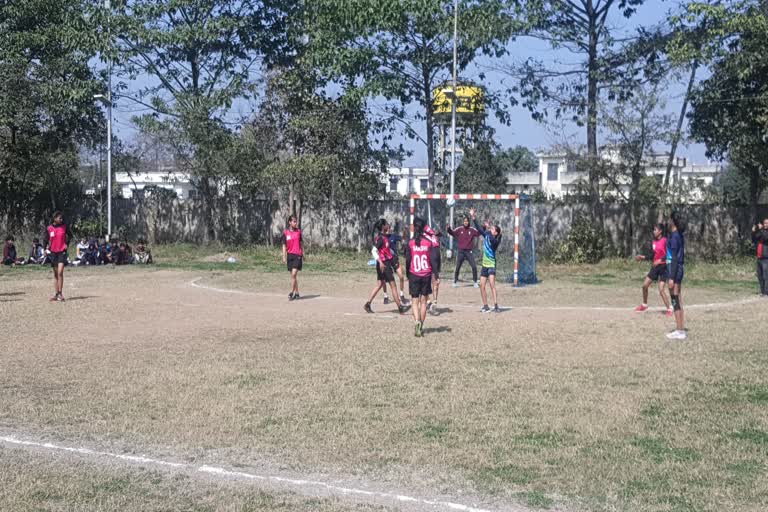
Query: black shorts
{"points": [[658, 273], [487, 271], [420, 286], [436, 261], [385, 274], [58, 257], [395, 262], [295, 261]]}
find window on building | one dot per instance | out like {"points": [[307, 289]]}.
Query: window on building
{"points": [[570, 166], [552, 170], [393, 182], [424, 184]]}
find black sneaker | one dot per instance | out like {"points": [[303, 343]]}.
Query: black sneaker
{"points": [[296, 296], [496, 308], [485, 309], [402, 309], [367, 307], [290, 296], [386, 300]]}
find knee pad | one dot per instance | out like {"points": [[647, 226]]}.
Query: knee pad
{"points": [[675, 302]]}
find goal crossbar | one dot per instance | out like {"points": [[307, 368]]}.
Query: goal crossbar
{"points": [[478, 197]]}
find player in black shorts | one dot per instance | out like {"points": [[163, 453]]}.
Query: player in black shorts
{"points": [[657, 254]]}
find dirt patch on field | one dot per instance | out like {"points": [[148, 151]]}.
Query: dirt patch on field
{"points": [[585, 408]]}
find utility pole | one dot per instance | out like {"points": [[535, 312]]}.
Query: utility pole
{"points": [[453, 114]]}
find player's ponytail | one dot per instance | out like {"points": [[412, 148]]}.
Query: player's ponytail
{"points": [[679, 221], [379, 225], [418, 228]]}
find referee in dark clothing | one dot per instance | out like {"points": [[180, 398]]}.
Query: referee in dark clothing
{"points": [[465, 235]]}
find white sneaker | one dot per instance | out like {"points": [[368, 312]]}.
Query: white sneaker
{"points": [[677, 335], [455, 284], [476, 285]]}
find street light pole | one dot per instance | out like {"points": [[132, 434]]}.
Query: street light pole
{"points": [[109, 125], [453, 111]]}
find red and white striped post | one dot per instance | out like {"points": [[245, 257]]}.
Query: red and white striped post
{"points": [[466, 197]]}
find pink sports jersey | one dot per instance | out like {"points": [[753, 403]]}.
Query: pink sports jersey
{"points": [[430, 235], [57, 235], [382, 244], [421, 260], [660, 250], [293, 242]]}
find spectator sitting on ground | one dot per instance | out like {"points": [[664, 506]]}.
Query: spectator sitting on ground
{"points": [[36, 253], [9, 253], [105, 253], [143, 255], [82, 246], [123, 255], [91, 255]]}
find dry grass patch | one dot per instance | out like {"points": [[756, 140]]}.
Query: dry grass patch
{"points": [[591, 410]]}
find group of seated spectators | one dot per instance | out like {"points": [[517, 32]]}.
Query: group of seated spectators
{"points": [[87, 252]]}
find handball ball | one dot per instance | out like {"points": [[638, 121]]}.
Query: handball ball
{"points": [[451, 201]]}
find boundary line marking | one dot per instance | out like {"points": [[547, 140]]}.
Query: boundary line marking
{"points": [[713, 305], [221, 472]]}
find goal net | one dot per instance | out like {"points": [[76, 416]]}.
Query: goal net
{"points": [[516, 255]]}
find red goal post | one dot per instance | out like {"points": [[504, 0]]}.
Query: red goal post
{"points": [[478, 197]]}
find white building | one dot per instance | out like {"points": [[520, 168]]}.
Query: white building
{"points": [[166, 177], [407, 180], [557, 175]]}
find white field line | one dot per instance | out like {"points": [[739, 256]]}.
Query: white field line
{"points": [[240, 475], [713, 305]]}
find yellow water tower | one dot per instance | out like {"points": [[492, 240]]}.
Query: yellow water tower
{"points": [[470, 116]]}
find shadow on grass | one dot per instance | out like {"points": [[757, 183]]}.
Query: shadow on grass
{"points": [[10, 300], [11, 294], [308, 297], [82, 297], [435, 330]]}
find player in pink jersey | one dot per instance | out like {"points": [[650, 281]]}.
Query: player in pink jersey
{"points": [[57, 241], [658, 255], [385, 272], [293, 254], [418, 264]]}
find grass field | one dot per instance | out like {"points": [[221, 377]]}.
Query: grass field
{"points": [[566, 401]]}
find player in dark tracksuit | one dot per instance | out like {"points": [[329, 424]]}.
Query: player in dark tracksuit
{"points": [[760, 239], [676, 271], [465, 235]]}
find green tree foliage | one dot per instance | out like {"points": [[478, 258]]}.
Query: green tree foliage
{"points": [[603, 68], [312, 147], [201, 56], [485, 168], [402, 50], [730, 108], [46, 104]]}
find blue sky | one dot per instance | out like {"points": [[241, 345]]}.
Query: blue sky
{"points": [[523, 129]]}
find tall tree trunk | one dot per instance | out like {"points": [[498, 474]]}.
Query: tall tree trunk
{"points": [[430, 122], [678, 133], [592, 93]]}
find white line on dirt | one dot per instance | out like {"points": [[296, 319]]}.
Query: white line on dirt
{"points": [[714, 305], [221, 472]]}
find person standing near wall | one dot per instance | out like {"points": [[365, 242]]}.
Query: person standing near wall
{"points": [[293, 254], [760, 239], [465, 235]]}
